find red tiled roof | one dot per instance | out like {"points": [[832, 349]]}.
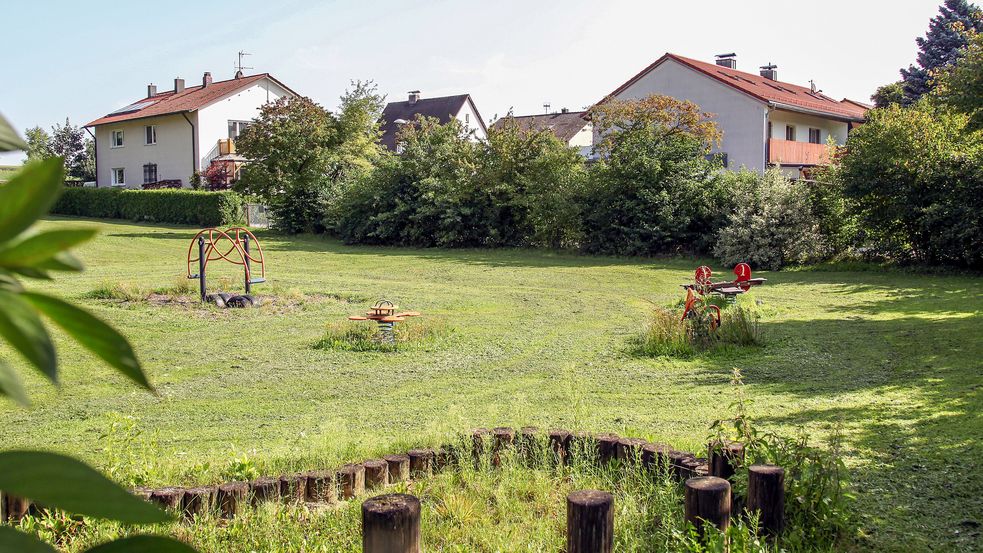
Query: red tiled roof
{"points": [[783, 95], [189, 99]]}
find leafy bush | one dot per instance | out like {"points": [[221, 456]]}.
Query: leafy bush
{"points": [[772, 224], [669, 335], [915, 176], [184, 207], [653, 190]]}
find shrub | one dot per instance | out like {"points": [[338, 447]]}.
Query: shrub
{"points": [[364, 336], [653, 189], [772, 224], [669, 335], [185, 207]]}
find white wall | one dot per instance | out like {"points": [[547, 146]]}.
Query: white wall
{"points": [[740, 117], [469, 117], [802, 123], [244, 105], [172, 153]]}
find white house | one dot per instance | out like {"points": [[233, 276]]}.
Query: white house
{"points": [[764, 121], [445, 108], [167, 136], [571, 127]]}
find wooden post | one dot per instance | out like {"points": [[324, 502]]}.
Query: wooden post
{"points": [[376, 473], [399, 467], [504, 438], [724, 457], [528, 448], [232, 498], [607, 447], [421, 462], [198, 501], [590, 522], [478, 438], [168, 498], [560, 444], [682, 464], [585, 444], [265, 489], [766, 495], [442, 457], [321, 486], [351, 480], [707, 499], [630, 449], [391, 524], [15, 507], [655, 456], [293, 488]]}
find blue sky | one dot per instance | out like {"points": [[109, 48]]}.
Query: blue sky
{"points": [[82, 59]]}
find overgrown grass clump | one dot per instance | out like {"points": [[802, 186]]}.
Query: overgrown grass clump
{"points": [[421, 332], [669, 335]]}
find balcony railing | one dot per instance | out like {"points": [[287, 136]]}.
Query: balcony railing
{"points": [[789, 152]]}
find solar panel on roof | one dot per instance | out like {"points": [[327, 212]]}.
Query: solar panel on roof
{"points": [[131, 108]]}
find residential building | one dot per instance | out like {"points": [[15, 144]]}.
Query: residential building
{"points": [[571, 127], [460, 107], [764, 121], [166, 137]]}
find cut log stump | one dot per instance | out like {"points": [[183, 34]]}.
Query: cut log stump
{"points": [[724, 457], [168, 498], [376, 473], [15, 507], [590, 522], [399, 467], [655, 456], [351, 481], [293, 488], [707, 500], [607, 447], [630, 449], [526, 442], [766, 495], [265, 489], [232, 498], [560, 445], [198, 501], [391, 524], [421, 462], [321, 486]]}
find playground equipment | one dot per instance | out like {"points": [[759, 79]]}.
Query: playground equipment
{"points": [[233, 246], [703, 285], [384, 313]]}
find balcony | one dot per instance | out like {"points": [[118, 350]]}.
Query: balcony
{"points": [[789, 152]]}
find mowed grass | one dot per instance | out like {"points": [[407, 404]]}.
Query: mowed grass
{"points": [[535, 338], [8, 171]]}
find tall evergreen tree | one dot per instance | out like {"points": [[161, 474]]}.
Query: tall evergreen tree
{"points": [[947, 33]]}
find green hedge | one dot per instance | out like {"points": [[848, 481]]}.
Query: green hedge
{"points": [[186, 207]]}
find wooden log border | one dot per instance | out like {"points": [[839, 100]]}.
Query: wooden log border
{"points": [[353, 480]]}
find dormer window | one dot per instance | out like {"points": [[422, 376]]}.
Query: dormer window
{"points": [[116, 139], [151, 134]]}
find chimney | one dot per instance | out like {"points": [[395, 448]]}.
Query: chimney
{"points": [[727, 60], [206, 79], [151, 90], [564, 110], [414, 97], [770, 71], [178, 85]]}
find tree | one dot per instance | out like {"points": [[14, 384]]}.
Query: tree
{"points": [[38, 144], [961, 85], [653, 190], [889, 94], [289, 147], [70, 143], [947, 34]]}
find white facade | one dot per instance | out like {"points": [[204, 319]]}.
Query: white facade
{"points": [[471, 121], [186, 142], [583, 140]]}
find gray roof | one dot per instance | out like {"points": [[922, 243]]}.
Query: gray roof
{"points": [[564, 125], [443, 109]]}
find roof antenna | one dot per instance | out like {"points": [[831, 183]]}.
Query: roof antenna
{"points": [[546, 107], [239, 66], [812, 86]]}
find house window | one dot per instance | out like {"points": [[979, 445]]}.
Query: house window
{"points": [[149, 173], [236, 128], [814, 136], [151, 133], [400, 148], [118, 176], [116, 140], [467, 121], [789, 132]]}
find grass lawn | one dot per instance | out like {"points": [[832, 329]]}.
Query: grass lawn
{"points": [[7, 171], [536, 338]]}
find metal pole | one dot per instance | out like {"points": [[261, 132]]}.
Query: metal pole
{"points": [[201, 266], [245, 244]]}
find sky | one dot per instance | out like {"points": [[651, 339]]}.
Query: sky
{"points": [[83, 59]]}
